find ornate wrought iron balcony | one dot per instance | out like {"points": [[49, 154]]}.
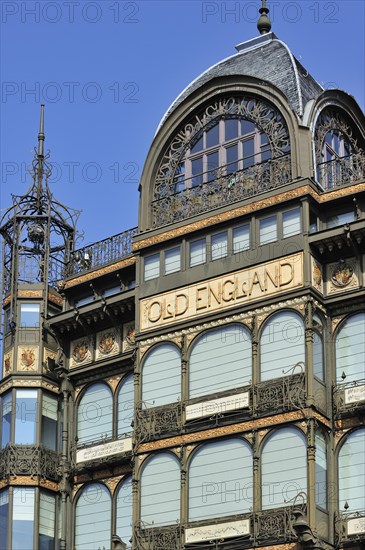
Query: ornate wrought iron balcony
{"points": [[350, 528], [222, 188], [341, 171], [32, 460], [158, 421], [101, 253], [349, 398], [280, 395], [157, 538]]}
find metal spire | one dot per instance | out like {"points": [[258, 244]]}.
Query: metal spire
{"points": [[264, 23], [40, 158]]}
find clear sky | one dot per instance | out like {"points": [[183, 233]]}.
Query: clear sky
{"points": [[108, 70]]}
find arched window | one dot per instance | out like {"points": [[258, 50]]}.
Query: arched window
{"points": [[160, 491], [125, 406], [94, 414], [124, 511], [282, 345], [351, 472], [321, 470], [161, 376], [93, 518], [220, 360], [283, 467], [220, 480], [350, 349]]}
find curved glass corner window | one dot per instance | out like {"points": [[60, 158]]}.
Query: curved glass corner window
{"points": [[126, 406], [350, 349], [6, 409], [351, 472], [161, 376], [124, 511], [282, 346], [94, 414], [29, 315], [220, 480], [4, 519], [23, 518], [47, 520], [160, 491], [291, 223], [220, 360], [283, 468], [151, 267], [93, 518], [321, 470], [49, 421], [25, 417]]}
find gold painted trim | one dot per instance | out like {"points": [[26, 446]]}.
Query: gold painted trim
{"points": [[29, 383], [29, 481], [247, 209], [35, 294], [100, 272]]}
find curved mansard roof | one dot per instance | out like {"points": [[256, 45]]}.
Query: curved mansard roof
{"points": [[268, 59]]}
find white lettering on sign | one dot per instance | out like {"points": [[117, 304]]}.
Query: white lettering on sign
{"points": [[222, 405], [221, 531], [356, 525], [107, 449], [355, 394]]}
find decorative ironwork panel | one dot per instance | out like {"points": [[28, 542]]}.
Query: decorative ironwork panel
{"points": [[276, 525], [158, 421], [281, 394], [349, 398], [158, 538], [350, 528], [32, 460], [341, 171], [102, 252], [222, 190]]}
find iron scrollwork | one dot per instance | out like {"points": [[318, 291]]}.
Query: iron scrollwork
{"points": [[32, 460], [281, 394], [155, 422], [158, 538]]}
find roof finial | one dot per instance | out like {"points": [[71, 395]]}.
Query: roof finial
{"points": [[40, 157], [264, 23], [41, 134]]}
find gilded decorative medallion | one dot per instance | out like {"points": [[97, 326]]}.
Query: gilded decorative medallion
{"points": [[27, 359], [80, 352], [107, 343], [342, 274]]}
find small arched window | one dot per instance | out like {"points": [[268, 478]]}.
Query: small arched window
{"points": [[93, 518], [124, 511], [125, 406], [160, 491], [94, 414], [161, 376], [220, 360], [351, 472], [350, 349], [220, 480], [283, 468], [282, 345]]}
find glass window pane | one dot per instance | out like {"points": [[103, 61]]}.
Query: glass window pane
{"points": [[219, 245], [49, 421], [197, 172], [124, 511], [94, 414], [93, 518], [268, 230], [282, 345], [152, 267], [23, 518], [172, 260], [126, 406], [111, 291], [284, 468], [25, 416], [6, 419], [161, 376], [160, 491], [247, 127], [29, 315], [321, 470], [232, 159], [179, 178], [340, 219], [209, 357], [198, 146], [248, 153], [231, 128], [220, 480], [212, 136], [197, 252], [47, 520], [241, 238], [350, 349], [212, 166], [291, 222], [4, 519], [351, 472], [318, 364]]}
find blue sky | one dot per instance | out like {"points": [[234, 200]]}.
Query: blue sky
{"points": [[108, 70]]}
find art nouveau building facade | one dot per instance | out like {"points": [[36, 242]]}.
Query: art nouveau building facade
{"points": [[197, 382]]}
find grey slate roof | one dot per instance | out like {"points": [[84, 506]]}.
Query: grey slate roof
{"points": [[266, 58]]}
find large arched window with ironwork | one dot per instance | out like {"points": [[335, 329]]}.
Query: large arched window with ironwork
{"points": [[351, 472], [220, 360], [339, 149], [93, 518], [350, 349], [235, 147], [124, 511], [221, 480], [161, 376], [95, 414], [125, 406]]}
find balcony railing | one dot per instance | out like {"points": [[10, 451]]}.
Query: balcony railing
{"points": [[157, 538], [101, 253], [349, 397], [220, 188], [32, 460], [350, 528], [341, 171]]}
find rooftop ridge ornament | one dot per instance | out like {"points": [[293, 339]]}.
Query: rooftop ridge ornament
{"points": [[39, 167], [264, 23]]}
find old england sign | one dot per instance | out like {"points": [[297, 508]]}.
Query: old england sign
{"points": [[240, 287]]}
